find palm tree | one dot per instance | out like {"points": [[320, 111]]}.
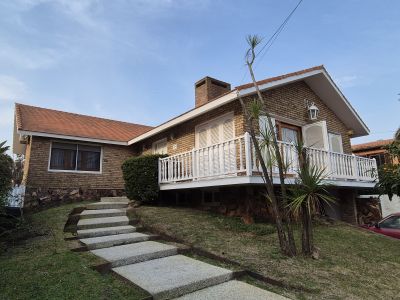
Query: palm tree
{"points": [[3, 149], [308, 192]]}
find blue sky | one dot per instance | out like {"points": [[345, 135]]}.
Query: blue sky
{"points": [[137, 61]]}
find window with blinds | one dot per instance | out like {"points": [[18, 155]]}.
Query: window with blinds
{"points": [[215, 131], [75, 157]]}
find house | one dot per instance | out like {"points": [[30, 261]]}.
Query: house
{"points": [[210, 155], [376, 150]]}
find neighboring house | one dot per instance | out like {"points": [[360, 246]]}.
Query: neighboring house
{"points": [[211, 160], [377, 151]]}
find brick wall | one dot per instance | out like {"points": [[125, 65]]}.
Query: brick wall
{"points": [[110, 178], [44, 187], [208, 89], [181, 138], [286, 102]]}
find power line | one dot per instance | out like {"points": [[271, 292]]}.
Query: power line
{"points": [[273, 38]]}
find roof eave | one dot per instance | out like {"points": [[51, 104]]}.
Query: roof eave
{"points": [[68, 137]]}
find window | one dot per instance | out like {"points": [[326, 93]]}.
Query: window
{"points": [[160, 147], [391, 223], [335, 142], [380, 158], [75, 157], [215, 131], [288, 133]]}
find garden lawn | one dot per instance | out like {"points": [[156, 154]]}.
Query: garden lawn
{"points": [[39, 265], [353, 263]]}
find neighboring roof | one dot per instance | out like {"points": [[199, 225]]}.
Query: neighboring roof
{"points": [[371, 145], [316, 77], [45, 122]]}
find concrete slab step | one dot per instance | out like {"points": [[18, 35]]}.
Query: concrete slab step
{"points": [[96, 232], [173, 276], [232, 290], [106, 205], [102, 222], [114, 199], [99, 213], [114, 240], [134, 253]]}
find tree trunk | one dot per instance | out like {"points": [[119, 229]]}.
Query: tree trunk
{"points": [[307, 235], [283, 242], [289, 229]]}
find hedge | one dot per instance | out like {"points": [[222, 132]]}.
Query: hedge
{"points": [[6, 165], [141, 177]]}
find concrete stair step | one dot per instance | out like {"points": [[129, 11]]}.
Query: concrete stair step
{"points": [[134, 253], [232, 290], [106, 205], [114, 240], [173, 276], [99, 213], [102, 222], [96, 232], [114, 199]]}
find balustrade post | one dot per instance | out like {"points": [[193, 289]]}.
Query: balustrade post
{"points": [[194, 175], [247, 151], [355, 167], [159, 170]]}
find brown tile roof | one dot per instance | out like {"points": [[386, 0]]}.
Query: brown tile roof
{"points": [[371, 145], [271, 79], [43, 120]]}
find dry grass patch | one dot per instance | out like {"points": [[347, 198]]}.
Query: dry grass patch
{"points": [[354, 264]]}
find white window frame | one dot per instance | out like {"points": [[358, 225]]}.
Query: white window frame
{"points": [[218, 120], [76, 159], [153, 146], [330, 144]]}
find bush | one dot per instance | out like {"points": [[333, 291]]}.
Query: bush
{"points": [[6, 165], [141, 177]]}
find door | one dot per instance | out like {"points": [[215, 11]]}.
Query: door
{"points": [[289, 135]]}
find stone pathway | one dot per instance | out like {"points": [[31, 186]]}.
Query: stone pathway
{"points": [[156, 267]]}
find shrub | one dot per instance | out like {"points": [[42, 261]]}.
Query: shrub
{"points": [[6, 165], [141, 177]]}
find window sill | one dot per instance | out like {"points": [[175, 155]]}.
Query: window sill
{"points": [[75, 171]]}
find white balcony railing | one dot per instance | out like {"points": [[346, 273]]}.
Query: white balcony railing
{"points": [[237, 157]]}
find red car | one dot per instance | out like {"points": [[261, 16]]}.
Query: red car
{"points": [[389, 226]]}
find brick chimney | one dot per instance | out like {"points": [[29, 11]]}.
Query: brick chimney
{"points": [[208, 89]]}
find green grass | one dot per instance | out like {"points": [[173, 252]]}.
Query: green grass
{"points": [[353, 264], [37, 264]]}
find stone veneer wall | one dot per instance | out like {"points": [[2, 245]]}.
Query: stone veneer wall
{"points": [[285, 103], [44, 187]]}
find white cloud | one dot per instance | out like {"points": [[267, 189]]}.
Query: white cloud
{"points": [[11, 88], [29, 58]]}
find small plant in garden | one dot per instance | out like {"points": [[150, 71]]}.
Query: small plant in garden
{"points": [[141, 177], [308, 193]]}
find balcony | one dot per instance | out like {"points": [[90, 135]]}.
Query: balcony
{"points": [[234, 162]]}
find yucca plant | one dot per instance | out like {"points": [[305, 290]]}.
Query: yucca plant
{"points": [[307, 195]]}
